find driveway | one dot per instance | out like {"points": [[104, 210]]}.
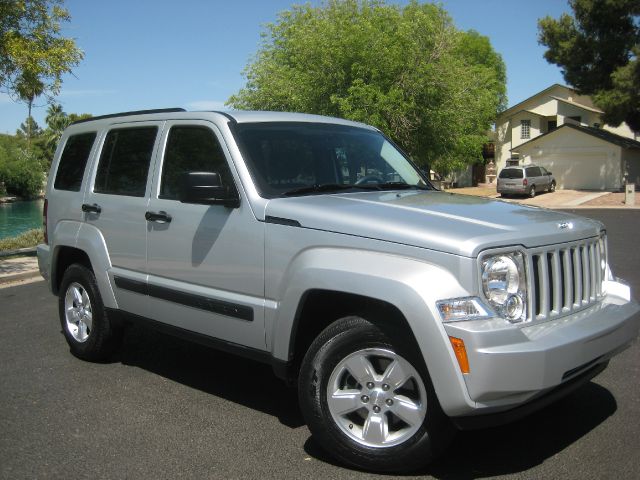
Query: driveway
{"points": [[557, 199]]}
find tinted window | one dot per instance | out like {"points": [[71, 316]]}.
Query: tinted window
{"points": [[73, 162], [533, 172], [283, 157], [191, 149], [124, 162], [511, 173]]}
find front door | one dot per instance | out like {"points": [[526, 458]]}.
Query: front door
{"points": [[205, 262]]}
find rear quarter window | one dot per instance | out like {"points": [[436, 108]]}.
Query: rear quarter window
{"points": [[73, 162]]}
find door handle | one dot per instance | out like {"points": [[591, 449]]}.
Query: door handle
{"points": [[161, 216], [95, 208]]}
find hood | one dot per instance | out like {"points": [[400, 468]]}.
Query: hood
{"points": [[457, 224]]}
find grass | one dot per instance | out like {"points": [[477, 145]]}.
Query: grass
{"points": [[30, 238]]}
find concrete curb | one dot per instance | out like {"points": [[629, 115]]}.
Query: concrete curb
{"points": [[17, 277], [28, 251]]}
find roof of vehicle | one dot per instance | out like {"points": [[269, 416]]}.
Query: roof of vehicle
{"points": [[520, 167], [238, 116]]}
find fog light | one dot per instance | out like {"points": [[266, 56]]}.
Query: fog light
{"points": [[514, 307]]}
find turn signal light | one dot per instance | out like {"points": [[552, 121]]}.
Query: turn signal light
{"points": [[461, 353]]}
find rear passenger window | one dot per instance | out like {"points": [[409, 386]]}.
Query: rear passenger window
{"points": [[191, 149], [124, 162], [73, 162]]}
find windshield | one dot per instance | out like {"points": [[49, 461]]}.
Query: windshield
{"points": [[287, 158]]}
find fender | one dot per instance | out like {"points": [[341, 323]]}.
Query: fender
{"points": [[413, 286], [91, 241], [64, 234], [88, 239]]}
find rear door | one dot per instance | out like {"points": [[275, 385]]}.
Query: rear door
{"points": [[116, 205], [205, 262]]}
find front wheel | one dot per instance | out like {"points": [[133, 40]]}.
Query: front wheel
{"points": [[552, 187], [369, 402]]}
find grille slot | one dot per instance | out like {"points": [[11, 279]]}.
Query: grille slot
{"points": [[564, 278]]}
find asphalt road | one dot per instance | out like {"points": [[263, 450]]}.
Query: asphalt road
{"points": [[164, 408]]}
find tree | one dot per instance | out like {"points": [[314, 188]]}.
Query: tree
{"points": [[33, 54], [21, 169], [598, 50], [57, 120], [407, 70]]}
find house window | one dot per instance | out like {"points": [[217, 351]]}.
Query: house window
{"points": [[525, 128]]}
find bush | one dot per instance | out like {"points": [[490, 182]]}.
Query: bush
{"points": [[30, 238], [20, 167]]}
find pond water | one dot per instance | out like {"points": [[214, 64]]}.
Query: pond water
{"points": [[18, 217]]}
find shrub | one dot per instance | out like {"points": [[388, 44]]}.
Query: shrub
{"points": [[30, 238]]}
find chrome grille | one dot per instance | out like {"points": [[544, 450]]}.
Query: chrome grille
{"points": [[565, 278]]}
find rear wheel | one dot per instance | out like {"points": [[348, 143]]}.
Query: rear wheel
{"points": [[369, 402], [532, 191], [84, 320]]}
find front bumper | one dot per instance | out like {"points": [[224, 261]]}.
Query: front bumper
{"points": [[511, 366]]}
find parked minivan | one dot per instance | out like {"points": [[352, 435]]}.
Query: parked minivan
{"points": [[525, 180]]}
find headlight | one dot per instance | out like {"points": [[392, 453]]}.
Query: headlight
{"points": [[504, 285]]}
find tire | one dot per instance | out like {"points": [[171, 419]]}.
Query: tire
{"points": [[504, 195], [83, 318], [532, 191], [552, 187], [366, 422]]}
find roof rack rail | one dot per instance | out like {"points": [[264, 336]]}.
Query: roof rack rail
{"points": [[126, 114]]}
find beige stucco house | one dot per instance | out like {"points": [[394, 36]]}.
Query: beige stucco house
{"points": [[563, 132]]}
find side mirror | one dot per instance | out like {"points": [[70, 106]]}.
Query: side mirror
{"points": [[549, 173], [206, 188]]}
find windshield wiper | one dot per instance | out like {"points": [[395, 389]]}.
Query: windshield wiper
{"points": [[327, 187]]}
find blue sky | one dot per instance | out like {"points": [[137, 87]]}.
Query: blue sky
{"points": [[143, 54]]}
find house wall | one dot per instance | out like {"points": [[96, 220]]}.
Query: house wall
{"points": [[623, 130], [631, 158], [577, 160], [587, 118]]}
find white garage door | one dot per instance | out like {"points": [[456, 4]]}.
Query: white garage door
{"points": [[588, 170]]}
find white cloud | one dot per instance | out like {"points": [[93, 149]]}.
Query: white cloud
{"points": [[206, 105]]}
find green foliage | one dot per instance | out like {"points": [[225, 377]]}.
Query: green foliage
{"points": [[407, 70], [30, 238], [57, 120], [598, 50], [21, 167], [33, 54]]}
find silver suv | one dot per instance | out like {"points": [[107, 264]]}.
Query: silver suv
{"points": [[525, 180], [313, 244]]}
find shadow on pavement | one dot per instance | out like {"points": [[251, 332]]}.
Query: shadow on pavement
{"points": [[519, 446], [246, 382], [511, 448]]}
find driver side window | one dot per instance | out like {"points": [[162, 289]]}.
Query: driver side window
{"points": [[191, 149]]}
